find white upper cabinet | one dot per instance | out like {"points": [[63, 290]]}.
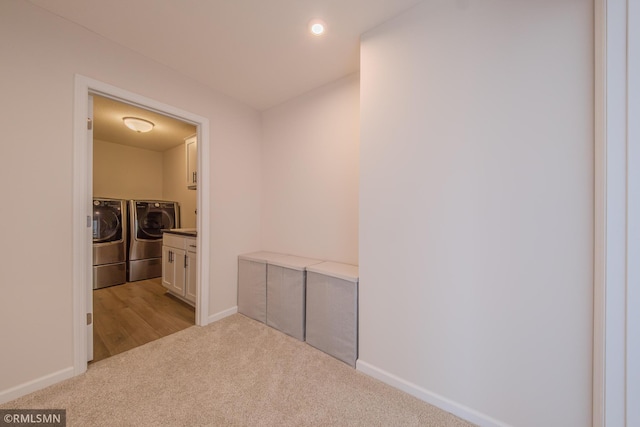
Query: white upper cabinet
{"points": [[191, 151]]}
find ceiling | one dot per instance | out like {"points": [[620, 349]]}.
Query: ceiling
{"points": [[257, 51], [108, 126]]}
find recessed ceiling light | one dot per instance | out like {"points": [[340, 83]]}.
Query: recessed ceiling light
{"points": [[137, 124], [317, 27]]}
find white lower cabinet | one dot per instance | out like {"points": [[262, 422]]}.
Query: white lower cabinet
{"points": [[173, 269], [190, 276], [179, 266]]}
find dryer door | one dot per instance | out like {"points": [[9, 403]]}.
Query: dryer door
{"points": [[152, 219]]}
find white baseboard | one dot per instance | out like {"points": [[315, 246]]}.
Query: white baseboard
{"points": [[35, 385], [434, 399], [221, 315]]}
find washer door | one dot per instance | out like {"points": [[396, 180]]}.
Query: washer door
{"points": [[107, 225]]}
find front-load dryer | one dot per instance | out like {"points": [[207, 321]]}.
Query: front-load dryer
{"points": [[109, 242], [147, 220]]}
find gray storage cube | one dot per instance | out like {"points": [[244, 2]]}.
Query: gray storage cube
{"points": [[286, 294], [332, 310], [252, 284]]}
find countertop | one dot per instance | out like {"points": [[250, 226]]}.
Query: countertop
{"points": [[191, 232]]}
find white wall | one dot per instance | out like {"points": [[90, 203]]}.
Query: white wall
{"points": [[42, 54], [476, 208], [122, 172], [174, 185], [310, 174]]}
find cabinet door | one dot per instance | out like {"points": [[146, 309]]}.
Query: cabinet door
{"points": [[179, 262], [190, 286], [191, 151], [173, 269], [168, 267]]}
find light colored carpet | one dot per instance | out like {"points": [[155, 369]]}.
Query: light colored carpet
{"points": [[235, 372]]}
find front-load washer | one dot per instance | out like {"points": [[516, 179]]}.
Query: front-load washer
{"points": [[109, 242], [147, 220]]}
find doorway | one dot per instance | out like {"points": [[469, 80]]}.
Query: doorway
{"points": [[131, 307], [83, 198]]}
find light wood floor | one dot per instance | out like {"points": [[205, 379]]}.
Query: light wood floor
{"points": [[129, 315]]}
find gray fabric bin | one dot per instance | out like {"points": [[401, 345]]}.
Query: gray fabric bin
{"points": [[286, 294], [252, 284], [332, 310]]}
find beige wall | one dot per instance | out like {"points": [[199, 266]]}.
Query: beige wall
{"points": [[174, 185], [122, 172], [476, 208], [42, 55], [310, 174]]}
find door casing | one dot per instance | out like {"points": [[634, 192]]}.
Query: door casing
{"points": [[82, 198], [616, 315]]}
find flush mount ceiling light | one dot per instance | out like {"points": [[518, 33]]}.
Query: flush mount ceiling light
{"points": [[317, 27], [138, 125]]}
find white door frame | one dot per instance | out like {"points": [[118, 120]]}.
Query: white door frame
{"points": [[633, 215], [616, 350], [82, 198]]}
